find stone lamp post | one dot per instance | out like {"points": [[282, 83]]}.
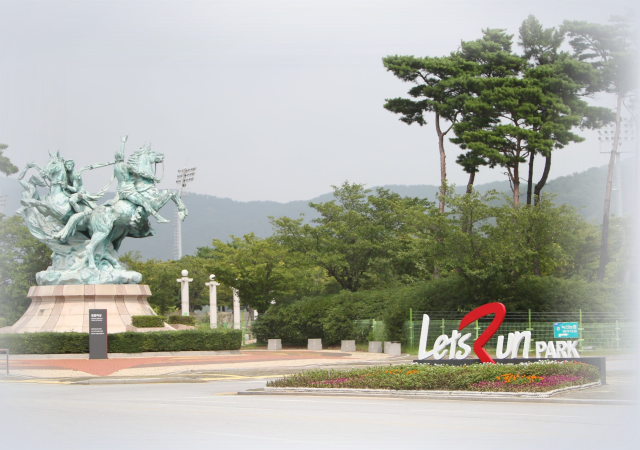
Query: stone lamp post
{"points": [[236, 310], [213, 301], [185, 280]]}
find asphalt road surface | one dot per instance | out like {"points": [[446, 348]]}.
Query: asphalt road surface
{"points": [[208, 415]]}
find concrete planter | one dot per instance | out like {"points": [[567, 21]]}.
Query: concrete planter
{"points": [[314, 344], [393, 348], [179, 326], [375, 347], [348, 346], [274, 344]]}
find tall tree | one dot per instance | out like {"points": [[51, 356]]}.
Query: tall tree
{"points": [[519, 109], [5, 164], [260, 269], [355, 234], [21, 257], [611, 49], [433, 93], [569, 78]]}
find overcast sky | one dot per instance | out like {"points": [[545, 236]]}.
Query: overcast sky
{"points": [[271, 100]]}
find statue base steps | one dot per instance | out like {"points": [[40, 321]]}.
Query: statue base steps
{"points": [[66, 308]]}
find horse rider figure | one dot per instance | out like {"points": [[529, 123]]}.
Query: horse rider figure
{"points": [[75, 188], [126, 186]]}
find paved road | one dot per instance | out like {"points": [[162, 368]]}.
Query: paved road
{"points": [[208, 415]]}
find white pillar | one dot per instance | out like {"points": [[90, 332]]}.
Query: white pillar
{"points": [[236, 310], [213, 302], [184, 292]]}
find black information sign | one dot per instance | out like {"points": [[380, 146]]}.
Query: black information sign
{"points": [[97, 334]]}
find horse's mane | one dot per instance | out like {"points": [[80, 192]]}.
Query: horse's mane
{"points": [[49, 170], [137, 165]]}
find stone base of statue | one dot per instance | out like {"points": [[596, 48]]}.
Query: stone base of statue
{"points": [[66, 308], [52, 277], [68, 266]]}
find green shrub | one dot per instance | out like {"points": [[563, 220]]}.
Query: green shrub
{"points": [[329, 318], [183, 320], [129, 342], [3, 322], [45, 343], [148, 321]]}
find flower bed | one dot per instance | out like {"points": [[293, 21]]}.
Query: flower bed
{"points": [[540, 376]]}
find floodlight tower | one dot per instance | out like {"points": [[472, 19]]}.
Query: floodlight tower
{"points": [[3, 203], [185, 176], [626, 144]]}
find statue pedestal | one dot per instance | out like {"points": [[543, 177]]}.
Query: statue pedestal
{"points": [[66, 308]]}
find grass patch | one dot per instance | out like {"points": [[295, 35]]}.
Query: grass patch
{"points": [[539, 376]]}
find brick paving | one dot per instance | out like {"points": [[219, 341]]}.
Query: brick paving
{"points": [[158, 365]]}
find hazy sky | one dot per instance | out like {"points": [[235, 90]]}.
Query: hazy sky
{"points": [[271, 100]]}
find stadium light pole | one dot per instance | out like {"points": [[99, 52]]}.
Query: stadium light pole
{"points": [[185, 176], [626, 144]]}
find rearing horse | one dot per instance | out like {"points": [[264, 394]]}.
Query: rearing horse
{"points": [[112, 222], [56, 203]]}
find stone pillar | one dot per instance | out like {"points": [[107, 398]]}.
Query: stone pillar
{"points": [[213, 302], [236, 310], [185, 291]]}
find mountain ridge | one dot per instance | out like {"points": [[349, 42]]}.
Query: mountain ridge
{"points": [[212, 217]]}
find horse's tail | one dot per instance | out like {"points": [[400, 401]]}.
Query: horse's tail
{"points": [[98, 195]]}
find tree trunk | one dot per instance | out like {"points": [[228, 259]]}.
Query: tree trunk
{"points": [[472, 178], [443, 178], [543, 180], [516, 185], [443, 163], [607, 197], [530, 180], [536, 267]]}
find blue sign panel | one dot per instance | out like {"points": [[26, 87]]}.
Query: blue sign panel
{"points": [[565, 330]]}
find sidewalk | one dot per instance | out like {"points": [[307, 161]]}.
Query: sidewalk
{"points": [[64, 367]]}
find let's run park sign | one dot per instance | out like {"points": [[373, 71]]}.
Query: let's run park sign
{"points": [[456, 347]]}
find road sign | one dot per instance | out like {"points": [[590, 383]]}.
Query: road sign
{"points": [[98, 334], [565, 330]]}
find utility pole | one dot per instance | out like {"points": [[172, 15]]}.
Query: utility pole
{"points": [[185, 176], [615, 141]]}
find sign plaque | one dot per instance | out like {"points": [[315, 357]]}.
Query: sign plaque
{"points": [[98, 334], [565, 330]]}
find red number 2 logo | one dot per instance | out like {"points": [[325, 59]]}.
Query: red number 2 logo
{"points": [[490, 308]]}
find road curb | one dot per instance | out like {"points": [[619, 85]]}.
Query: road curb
{"points": [[450, 397], [137, 381], [18, 357]]}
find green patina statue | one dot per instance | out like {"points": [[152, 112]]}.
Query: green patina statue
{"points": [[84, 236]]}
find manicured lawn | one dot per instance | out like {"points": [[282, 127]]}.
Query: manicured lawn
{"points": [[538, 376]]}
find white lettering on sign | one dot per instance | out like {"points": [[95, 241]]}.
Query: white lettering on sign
{"points": [[551, 349]]}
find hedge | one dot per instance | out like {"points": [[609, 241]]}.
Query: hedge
{"points": [[331, 317], [183, 320], [148, 321], [129, 342]]}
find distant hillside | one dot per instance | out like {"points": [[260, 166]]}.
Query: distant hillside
{"points": [[217, 218]]}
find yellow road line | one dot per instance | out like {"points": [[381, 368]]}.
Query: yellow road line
{"points": [[36, 381]]}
